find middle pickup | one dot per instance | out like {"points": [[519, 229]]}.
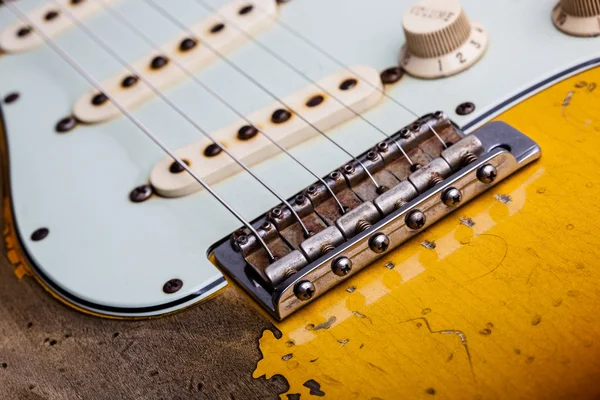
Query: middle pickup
{"points": [[326, 104]]}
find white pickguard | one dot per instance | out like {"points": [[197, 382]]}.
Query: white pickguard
{"points": [[112, 256]]}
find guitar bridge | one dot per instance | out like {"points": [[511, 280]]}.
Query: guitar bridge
{"points": [[413, 191]]}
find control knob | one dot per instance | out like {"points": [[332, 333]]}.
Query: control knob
{"points": [[578, 17]]}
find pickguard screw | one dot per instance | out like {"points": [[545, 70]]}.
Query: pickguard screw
{"points": [[140, 193], [348, 84], [280, 116], [187, 44], [465, 108], [391, 75], [159, 62], [451, 197], [66, 124], [415, 220], [379, 243], [342, 266], [487, 174], [11, 97], [172, 286], [212, 150], [304, 290], [177, 168], [247, 132], [40, 234]]}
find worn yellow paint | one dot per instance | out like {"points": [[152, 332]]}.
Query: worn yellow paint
{"points": [[506, 308]]}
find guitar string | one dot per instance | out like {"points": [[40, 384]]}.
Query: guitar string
{"points": [[225, 59], [120, 17], [175, 107], [304, 75], [337, 61], [16, 10]]}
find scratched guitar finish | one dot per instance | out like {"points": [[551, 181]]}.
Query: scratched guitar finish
{"points": [[110, 256]]}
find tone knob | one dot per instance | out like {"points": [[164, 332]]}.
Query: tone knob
{"points": [[578, 17], [440, 39]]}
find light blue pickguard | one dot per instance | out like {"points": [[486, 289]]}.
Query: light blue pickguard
{"points": [[112, 256]]}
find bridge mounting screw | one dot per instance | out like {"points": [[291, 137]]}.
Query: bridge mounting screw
{"points": [[379, 243], [304, 290], [172, 286], [415, 220], [342, 266], [452, 197], [487, 173]]}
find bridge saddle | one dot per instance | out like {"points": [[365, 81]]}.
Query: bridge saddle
{"points": [[442, 170]]}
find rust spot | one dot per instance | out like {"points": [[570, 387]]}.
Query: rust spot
{"points": [[503, 198], [468, 222], [325, 325], [428, 245], [581, 84]]}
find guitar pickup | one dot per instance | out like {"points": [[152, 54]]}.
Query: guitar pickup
{"points": [[412, 195]]}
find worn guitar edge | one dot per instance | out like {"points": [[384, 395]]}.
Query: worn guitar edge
{"points": [[17, 255]]}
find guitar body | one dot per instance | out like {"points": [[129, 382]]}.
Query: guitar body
{"points": [[498, 299]]}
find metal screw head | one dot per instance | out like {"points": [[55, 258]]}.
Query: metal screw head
{"points": [[40, 234], [304, 290], [140, 193], [172, 286], [379, 243], [342, 266], [415, 220], [487, 173], [465, 108], [11, 97], [391, 75], [66, 124], [451, 197]]}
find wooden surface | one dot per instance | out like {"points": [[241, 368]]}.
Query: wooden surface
{"points": [[48, 351]]}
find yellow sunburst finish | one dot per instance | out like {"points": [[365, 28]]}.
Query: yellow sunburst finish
{"points": [[507, 304]]}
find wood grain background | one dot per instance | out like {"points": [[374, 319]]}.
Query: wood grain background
{"points": [[48, 351]]}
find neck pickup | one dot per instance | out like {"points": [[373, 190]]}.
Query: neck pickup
{"points": [[423, 173]]}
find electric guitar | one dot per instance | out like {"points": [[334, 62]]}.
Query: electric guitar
{"points": [[405, 191]]}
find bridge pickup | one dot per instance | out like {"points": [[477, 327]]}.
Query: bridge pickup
{"points": [[306, 269]]}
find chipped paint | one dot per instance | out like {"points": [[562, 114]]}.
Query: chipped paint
{"points": [[503, 198], [500, 306], [428, 244]]}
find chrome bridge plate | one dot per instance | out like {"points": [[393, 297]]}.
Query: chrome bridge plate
{"points": [[380, 224]]}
